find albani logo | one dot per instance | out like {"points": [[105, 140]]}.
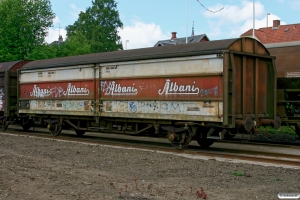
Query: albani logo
{"points": [[71, 90], [113, 88], [168, 88], [172, 88]]}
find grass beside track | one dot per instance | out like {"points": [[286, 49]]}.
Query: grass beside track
{"points": [[283, 129]]}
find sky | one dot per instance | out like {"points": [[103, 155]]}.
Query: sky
{"points": [[147, 21]]}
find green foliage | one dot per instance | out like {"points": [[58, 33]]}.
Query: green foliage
{"points": [[75, 45], [289, 105], [99, 26], [282, 129], [294, 83], [237, 173], [23, 27], [43, 51]]}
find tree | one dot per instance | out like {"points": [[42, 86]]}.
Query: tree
{"points": [[23, 27], [99, 25], [43, 51], [75, 45]]}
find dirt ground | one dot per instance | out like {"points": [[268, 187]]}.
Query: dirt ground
{"points": [[33, 168]]}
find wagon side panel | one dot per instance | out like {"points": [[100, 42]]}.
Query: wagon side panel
{"points": [[189, 89], [66, 91]]}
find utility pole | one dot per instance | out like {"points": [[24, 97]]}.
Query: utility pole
{"points": [[187, 22], [253, 19]]}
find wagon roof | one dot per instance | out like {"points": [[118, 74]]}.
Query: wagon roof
{"points": [[8, 65], [201, 48], [287, 59]]}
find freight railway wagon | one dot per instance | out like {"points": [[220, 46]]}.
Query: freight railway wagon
{"points": [[199, 91], [8, 92], [288, 82]]}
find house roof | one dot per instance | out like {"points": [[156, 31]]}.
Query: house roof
{"points": [[276, 34], [60, 41], [175, 41], [282, 44]]}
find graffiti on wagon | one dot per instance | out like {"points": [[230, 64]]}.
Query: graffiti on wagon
{"points": [[57, 91], [112, 88], [162, 88], [174, 88], [1, 99]]}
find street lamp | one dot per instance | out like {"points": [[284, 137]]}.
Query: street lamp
{"points": [[267, 18], [126, 44]]}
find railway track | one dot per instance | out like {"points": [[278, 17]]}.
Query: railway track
{"points": [[227, 153], [295, 145]]}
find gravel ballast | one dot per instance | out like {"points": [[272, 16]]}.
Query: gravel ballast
{"points": [[34, 168]]}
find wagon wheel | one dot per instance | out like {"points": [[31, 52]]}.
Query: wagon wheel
{"points": [[80, 132], [180, 140], [27, 125], [202, 137], [55, 129]]}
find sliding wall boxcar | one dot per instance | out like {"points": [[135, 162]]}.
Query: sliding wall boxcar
{"points": [[8, 88], [288, 81], [221, 83]]}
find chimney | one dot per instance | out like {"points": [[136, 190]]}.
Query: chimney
{"points": [[173, 35], [276, 23], [60, 39]]}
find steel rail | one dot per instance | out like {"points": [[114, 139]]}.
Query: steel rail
{"points": [[294, 145], [227, 154]]}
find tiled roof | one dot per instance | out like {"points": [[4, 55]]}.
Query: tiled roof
{"points": [[191, 39], [283, 33]]}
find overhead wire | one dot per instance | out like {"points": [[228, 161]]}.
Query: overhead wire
{"points": [[208, 9]]}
